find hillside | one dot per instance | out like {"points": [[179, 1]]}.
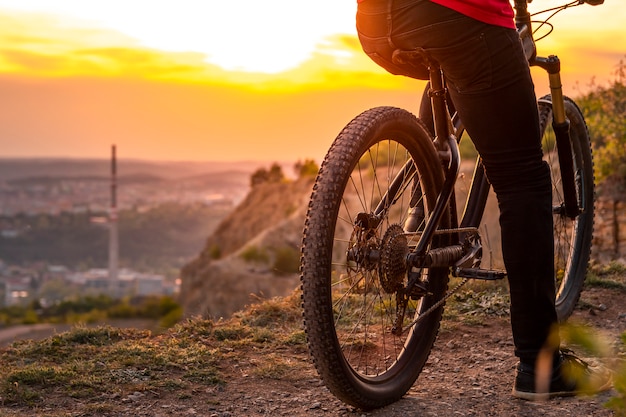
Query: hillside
{"points": [[254, 251]]}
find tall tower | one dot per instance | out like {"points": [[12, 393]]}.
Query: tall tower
{"points": [[113, 238]]}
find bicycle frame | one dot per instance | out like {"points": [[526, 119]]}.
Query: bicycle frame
{"points": [[448, 131]]}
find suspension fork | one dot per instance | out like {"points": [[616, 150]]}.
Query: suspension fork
{"points": [[560, 124]]}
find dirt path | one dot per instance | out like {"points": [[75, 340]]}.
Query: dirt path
{"points": [[469, 373], [30, 331], [43, 330], [471, 370]]}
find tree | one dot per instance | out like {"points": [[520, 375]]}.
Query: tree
{"points": [[308, 168], [258, 177], [55, 290], [275, 173], [605, 113], [261, 175]]}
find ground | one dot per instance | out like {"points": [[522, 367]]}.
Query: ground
{"points": [[469, 373]]}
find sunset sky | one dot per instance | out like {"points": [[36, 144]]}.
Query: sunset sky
{"points": [[221, 80]]}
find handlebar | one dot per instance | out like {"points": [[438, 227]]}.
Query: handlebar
{"points": [[523, 22]]}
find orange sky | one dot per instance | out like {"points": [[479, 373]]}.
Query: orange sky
{"points": [[70, 86]]}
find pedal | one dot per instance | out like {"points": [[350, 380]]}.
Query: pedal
{"points": [[478, 273]]}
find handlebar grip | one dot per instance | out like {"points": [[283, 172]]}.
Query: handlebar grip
{"points": [[594, 2]]}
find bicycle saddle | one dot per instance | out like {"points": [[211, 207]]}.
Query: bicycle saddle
{"points": [[417, 57]]}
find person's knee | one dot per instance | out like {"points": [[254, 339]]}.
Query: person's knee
{"points": [[519, 177]]}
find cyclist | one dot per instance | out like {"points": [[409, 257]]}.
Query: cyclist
{"points": [[476, 44]]}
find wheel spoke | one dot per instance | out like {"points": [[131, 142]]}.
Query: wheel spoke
{"points": [[373, 167], [572, 238]]}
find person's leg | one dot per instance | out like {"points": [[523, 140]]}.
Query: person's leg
{"points": [[502, 120], [490, 85]]}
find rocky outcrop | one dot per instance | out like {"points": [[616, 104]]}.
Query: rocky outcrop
{"points": [[224, 277]]}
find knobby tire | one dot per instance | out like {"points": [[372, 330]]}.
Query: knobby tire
{"points": [[572, 238], [349, 303]]}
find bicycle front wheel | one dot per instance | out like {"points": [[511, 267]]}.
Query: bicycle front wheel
{"points": [[572, 237], [373, 194]]}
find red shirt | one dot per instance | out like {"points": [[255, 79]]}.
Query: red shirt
{"points": [[494, 12]]}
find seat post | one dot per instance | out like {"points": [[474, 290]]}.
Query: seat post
{"points": [[441, 116]]}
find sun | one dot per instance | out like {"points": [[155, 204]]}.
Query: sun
{"points": [[245, 35]]}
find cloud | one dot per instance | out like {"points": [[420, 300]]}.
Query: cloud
{"points": [[37, 45], [40, 46]]}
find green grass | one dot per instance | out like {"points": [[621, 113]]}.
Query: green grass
{"points": [[476, 301], [611, 275]]}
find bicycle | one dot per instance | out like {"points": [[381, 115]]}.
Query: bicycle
{"points": [[382, 232]]}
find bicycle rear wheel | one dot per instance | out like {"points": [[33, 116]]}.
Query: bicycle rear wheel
{"points": [[380, 177], [572, 238]]}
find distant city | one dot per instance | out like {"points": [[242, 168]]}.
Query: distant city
{"points": [[56, 193], [52, 187], [49, 284]]}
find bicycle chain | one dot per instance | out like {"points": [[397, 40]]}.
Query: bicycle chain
{"points": [[436, 305]]}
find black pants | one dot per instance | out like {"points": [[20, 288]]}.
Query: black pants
{"points": [[490, 85]]}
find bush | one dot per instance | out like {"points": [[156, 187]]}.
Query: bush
{"points": [[156, 307], [171, 318], [287, 261], [255, 254], [215, 252], [30, 317]]}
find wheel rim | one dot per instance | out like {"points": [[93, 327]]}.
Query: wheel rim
{"points": [[568, 233], [364, 311]]}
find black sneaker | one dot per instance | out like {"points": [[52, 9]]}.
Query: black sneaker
{"points": [[415, 219], [570, 376]]}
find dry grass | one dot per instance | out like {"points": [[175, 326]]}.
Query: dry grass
{"points": [[103, 371], [99, 364]]}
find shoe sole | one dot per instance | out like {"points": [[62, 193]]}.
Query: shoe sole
{"points": [[536, 396]]}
